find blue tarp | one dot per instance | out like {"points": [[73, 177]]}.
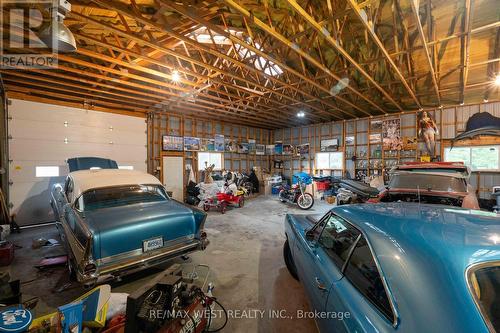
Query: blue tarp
{"points": [[305, 177]]}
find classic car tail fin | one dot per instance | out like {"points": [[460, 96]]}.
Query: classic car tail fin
{"points": [[87, 163]]}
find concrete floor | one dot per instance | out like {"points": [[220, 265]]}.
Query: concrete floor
{"points": [[245, 259]]}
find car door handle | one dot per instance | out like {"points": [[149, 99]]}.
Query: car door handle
{"points": [[320, 284]]}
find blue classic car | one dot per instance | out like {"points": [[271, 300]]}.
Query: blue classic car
{"points": [[398, 267], [114, 222]]}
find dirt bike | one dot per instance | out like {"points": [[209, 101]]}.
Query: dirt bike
{"points": [[296, 194]]}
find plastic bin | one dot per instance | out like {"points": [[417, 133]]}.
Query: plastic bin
{"points": [[322, 186]]}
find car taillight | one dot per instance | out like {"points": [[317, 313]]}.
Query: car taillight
{"points": [[89, 268]]}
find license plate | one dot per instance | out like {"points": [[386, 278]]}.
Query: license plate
{"points": [[152, 244]]}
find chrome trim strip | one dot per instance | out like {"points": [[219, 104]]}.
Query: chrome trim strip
{"points": [[468, 274], [145, 258]]}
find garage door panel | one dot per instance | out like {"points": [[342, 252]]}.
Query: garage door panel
{"points": [[36, 150], [74, 116], [38, 139], [23, 129]]}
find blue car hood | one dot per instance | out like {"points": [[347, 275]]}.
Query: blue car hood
{"points": [[122, 229]]}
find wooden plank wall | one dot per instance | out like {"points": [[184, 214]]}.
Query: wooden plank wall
{"points": [[165, 124], [450, 122]]}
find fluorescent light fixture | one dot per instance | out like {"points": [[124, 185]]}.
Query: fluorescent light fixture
{"points": [[176, 77], [126, 167], [301, 114]]}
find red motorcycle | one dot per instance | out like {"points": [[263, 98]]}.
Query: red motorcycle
{"points": [[222, 200], [296, 194]]}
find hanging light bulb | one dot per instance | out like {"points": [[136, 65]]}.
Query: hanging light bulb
{"points": [[497, 80], [176, 77]]}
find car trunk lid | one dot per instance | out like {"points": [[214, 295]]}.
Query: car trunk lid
{"points": [[124, 229]]}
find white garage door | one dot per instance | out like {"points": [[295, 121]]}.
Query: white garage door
{"points": [[44, 136]]}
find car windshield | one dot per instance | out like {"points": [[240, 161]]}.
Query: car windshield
{"points": [[485, 285], [426, 182], [120, 195]]}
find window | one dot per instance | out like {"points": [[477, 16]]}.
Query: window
{"points": [[209, 159], [47, 171], [427, 182], [482, 158], [120, 196], [337, 238], [126, 167], [485, 285], [362, 272], [333, 160]]}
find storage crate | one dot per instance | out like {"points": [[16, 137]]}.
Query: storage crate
{"points": [[322, 186]]}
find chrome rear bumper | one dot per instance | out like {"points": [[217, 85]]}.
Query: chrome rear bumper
{"points": [[125, 265]]}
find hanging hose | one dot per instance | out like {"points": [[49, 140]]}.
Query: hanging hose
{"points": [[207, 329]]}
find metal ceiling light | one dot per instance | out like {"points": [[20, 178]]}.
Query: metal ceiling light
{"points": [[497, 80], [301, 114], [57, 32]]}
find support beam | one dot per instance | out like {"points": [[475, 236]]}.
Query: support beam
{"points": [[421, 34], [189, 13], [371, 31], [335, 43], [163, 27], [465, 49]]}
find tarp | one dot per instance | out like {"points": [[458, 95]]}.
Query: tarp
{"points": [[482, 123], [85, 163], [305, 177]]}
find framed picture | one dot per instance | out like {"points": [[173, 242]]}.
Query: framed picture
{"points": [[278, 148], [330, 145], [375, 138], [207, 145], [243, 148], [287, 150], [303, 149], [270, 149], [260, 149], [230, 145], [349, 140], [251, 146], [376, 126], [219, 142], [391, 134], [192, 143], [172, 143]]}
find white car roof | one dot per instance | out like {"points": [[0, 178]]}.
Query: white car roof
{"points": [[84, 180]]}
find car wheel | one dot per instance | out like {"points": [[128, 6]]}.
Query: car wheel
{"points": [[241, 203], [290, 265], [206, 207]]}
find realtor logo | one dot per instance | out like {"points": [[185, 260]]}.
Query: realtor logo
{"points": [[29, 31]]}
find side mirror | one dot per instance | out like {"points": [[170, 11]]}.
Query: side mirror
{"points": [[310, 235]]}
